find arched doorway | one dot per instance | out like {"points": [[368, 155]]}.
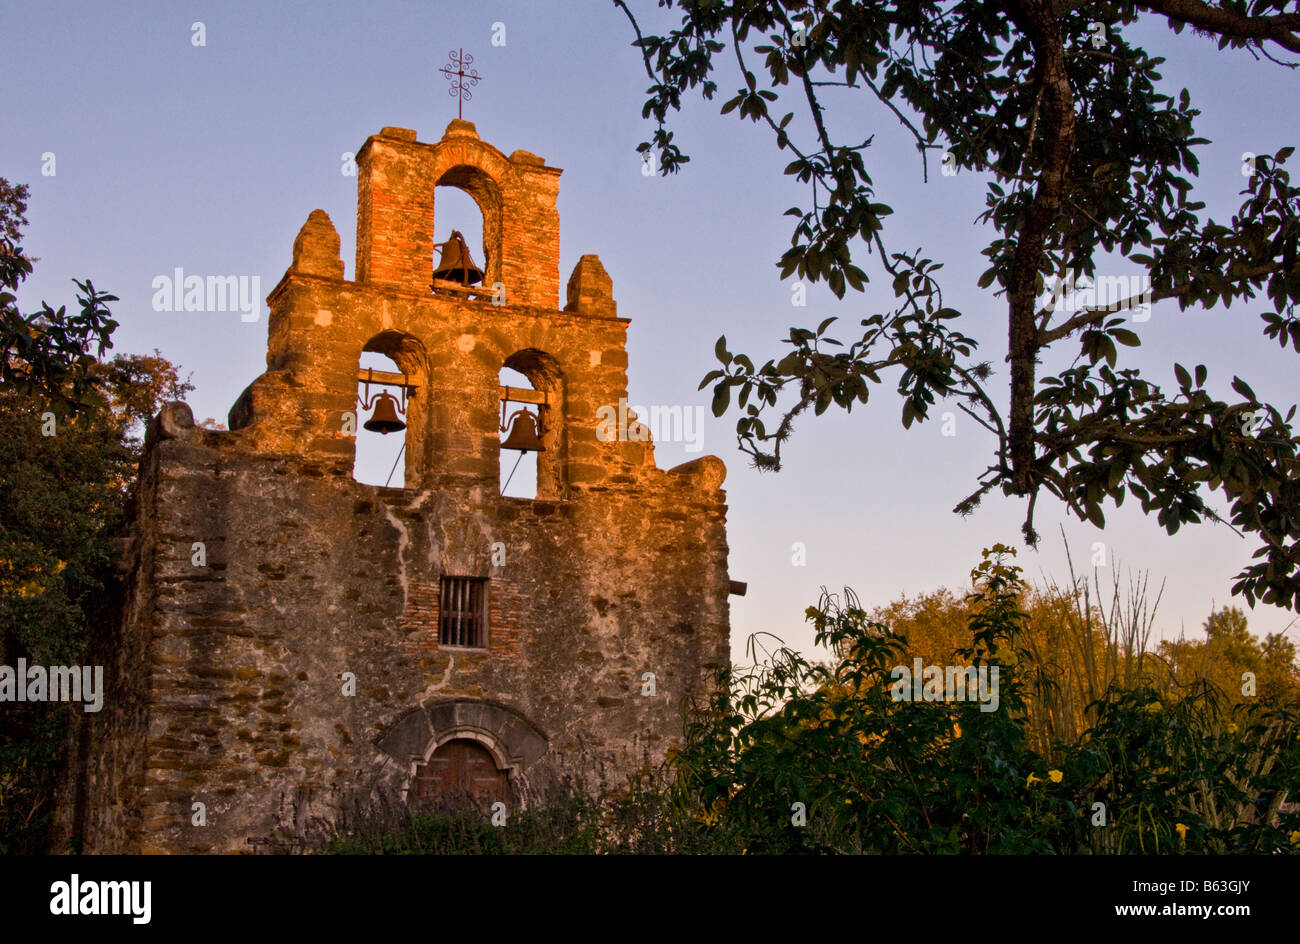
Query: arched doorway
{"points": [[461, 768]]}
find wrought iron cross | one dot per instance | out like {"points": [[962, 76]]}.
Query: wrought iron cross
{"points": [[461, 79]]}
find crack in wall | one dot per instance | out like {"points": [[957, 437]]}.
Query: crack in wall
{"points": [[413, 509], [403, 542], [446, 678]]}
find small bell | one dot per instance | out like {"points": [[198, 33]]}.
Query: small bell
{"points": [[455, 264], [524, 434], [385, 419]]}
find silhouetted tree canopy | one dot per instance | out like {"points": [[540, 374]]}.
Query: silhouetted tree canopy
{"points": [[1082, 155]]}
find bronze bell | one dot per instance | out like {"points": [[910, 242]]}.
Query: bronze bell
{"points": [[385, 419], [455, 264], [524, 434]]}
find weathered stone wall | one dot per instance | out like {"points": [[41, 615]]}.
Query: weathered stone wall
{"points": [[97, 807], [617, 569]]}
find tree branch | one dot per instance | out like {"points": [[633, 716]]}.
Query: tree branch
{"points": [[1281, 28]]}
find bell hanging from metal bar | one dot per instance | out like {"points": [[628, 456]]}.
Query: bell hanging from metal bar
{"points": [[455, 264], [524, 433], [385, 419]]}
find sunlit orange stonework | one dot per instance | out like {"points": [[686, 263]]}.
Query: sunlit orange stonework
{"points": [[228, 685]]}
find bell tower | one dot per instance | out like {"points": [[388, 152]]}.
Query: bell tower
{"points": [[396, 177], [342, 640]]}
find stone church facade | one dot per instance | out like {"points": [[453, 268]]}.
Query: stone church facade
{"points": [[284, 645]]}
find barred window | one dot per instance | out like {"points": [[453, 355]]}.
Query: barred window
{"points": [[462, 612]]}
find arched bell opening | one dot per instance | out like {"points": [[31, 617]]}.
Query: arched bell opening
{"points": [[466, 230], [518, 466], [531, 397], [392, 411]]}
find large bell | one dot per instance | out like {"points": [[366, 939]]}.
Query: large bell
{"points": [[523, 434], [455, 264], [385, 419]]}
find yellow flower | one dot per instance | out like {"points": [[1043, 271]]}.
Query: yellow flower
{"points": [[1033, 780], [956, 730], [1154, 707], [1056, 775], [1181, 830], [1232, 728], [710, 816], [1295, 837]]}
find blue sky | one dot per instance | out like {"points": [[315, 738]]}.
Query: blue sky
{"points": [[210, 158]]}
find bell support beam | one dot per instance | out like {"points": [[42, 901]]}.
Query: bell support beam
{"points": [[386, 378], [517, 395]]}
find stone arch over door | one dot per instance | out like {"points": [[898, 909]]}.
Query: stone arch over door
{"points": [[513, 742]]}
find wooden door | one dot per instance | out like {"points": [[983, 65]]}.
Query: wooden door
{"points": [[462, 767]]}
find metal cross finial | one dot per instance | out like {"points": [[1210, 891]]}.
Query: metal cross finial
{"points": [[462, 79]]}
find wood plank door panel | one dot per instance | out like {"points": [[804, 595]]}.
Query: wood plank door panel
{"points": [[459, 767]]}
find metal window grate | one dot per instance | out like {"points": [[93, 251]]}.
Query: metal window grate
{"points": [[462, 612]]}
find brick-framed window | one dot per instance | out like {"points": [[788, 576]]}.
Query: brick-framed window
{"points": [[463, 612]]}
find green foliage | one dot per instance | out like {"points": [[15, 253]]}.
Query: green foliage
{"points": [[1228, 651], [14, 266], [1081, 154], [46, 354], [883, 776], [30, 764], [875, 774], [639, 818], [60, 506], [69, 446], [1159, 760]]}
